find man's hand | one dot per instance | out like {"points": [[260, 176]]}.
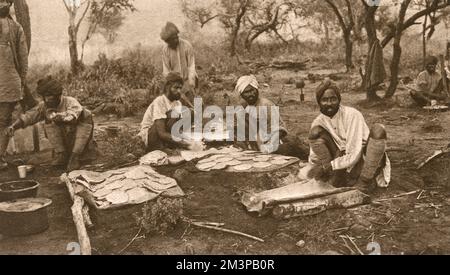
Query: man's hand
{"points": [[319, 172], [68, 118], [242, 145], [9, 132]]}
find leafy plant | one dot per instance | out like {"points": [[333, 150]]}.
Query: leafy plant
{"points": [[161, 216]]}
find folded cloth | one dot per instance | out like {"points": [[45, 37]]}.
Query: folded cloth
{"points": [[375, 71]]}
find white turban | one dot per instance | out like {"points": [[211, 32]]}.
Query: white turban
{"points": [[244, 82]]}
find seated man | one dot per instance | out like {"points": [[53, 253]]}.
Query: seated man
{"points": [[156, 126], [428, 84], [248, 89], [343, 148], [68, 125]]}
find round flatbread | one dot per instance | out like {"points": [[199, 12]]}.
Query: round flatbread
{"points": [[244, 158], [136, 194], [279, 162], [166, 181], [243, 167], [282, 158], [206, 160], [224, 159], [220, 166], [234, 163], [261, 158], [114, 185], [262, 164], [102, 193], [117, 197], [206, 166]]}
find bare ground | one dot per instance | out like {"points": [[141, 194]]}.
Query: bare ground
{"points": [[406, 225]]}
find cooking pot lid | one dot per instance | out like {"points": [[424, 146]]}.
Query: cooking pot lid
{"points": [[24, 205]]}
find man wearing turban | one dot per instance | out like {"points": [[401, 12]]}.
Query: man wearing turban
{"points": [[342, 147], [428, 84], [156, 126], [273, 138], [68, 125], [13, 71], [178, 56]]}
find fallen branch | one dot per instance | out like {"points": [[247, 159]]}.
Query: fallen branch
{"points": [[132, 241], [346, 245], [78, 219], [227, 231], [85, 208], [399, 196], [354, 244]]}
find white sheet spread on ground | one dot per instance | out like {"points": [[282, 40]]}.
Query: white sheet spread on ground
{"points": [[301, 191], [126, 186]]}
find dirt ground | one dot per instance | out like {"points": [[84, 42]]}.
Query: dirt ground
{"points": [[413, 224]]}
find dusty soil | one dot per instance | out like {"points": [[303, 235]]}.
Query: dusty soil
{"points": [[413, 224]]}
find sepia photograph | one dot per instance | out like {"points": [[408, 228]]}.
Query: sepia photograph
{"points": [[230, 128]]}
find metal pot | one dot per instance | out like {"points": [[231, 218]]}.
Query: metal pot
{"points": [[24, 217], [18, 190]]}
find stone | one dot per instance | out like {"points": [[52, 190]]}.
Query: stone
{"points": [[300, 244]]}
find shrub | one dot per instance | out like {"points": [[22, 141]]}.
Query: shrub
{"points": [[161, 216]]}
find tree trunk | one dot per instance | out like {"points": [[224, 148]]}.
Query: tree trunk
{"points": [[348, 50], [424, 40], [395, 63], [371, 31], [23, 18], [73, 50]]}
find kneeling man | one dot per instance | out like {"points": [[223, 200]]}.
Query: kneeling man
{"points": [[156, 126], [68, 125], [343, 148], [267, 137]]}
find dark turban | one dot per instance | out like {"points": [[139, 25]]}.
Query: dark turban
{"points": [[172, 78], [431, 60], [327, 84], [49, 86], [168, 31]]}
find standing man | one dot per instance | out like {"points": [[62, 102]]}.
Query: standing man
{"points": [[178, 56], [343, 148], [13, 71], [275, 138]]}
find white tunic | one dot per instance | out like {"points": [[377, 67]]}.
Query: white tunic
{"points": [[350, 132], [157, 110]]}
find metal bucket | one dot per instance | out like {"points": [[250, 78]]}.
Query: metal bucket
{"points": [[24, 217], [14, 190]]}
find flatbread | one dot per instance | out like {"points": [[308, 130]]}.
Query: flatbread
{"points": [[102, 193], [206, 165], [244, 158], [220, 166], [207, 160], [117, 197], [167, 181], [137, 194], [262, 164], [225, 159], [282, 158], [243, 167], [233, 163], [261, 159], [279, 162]]}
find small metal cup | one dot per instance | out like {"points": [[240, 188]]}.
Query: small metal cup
{"points": [[22, 171]]}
